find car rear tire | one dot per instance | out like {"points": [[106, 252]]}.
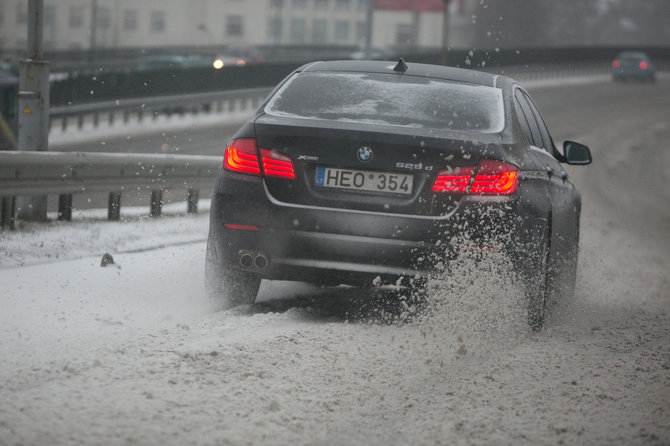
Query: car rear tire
{"points": [[571, 270], [228, 288], [538, 288]]}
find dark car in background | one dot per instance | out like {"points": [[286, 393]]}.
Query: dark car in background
{"points": [[633, 65], [9, 119], [362, 172], [376, 53], [161, 62], [238, 56]]}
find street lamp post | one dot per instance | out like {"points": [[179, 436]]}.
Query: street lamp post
{"points": [[93, 30], [34, 104], [444, 47], [368, 30]]}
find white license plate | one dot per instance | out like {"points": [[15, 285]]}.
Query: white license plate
{"points": [[364, 180]]}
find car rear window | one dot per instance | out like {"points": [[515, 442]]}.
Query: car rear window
{"points": [[631, 57], [390, 99]]}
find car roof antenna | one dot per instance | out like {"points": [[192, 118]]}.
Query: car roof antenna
{"points": [[401, 66]]}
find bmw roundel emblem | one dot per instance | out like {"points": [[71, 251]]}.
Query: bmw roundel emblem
{"points": [[364, 154]]}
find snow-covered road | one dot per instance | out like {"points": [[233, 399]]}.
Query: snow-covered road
{"points": [[132, 355]]}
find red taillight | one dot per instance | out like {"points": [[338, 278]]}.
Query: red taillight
{"points": [[643, 65], [494, 178], [490, 177], [453, 180], [615, 64], [242, 156], [240, 227], [277, 165]]}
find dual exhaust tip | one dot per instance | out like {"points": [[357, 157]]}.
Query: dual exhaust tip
{"points": [[252, 259]]}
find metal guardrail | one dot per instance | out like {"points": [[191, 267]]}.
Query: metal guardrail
{"points": [[138, 108], [67, 173]]}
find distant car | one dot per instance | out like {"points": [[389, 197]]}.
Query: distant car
{"points": [[9, 87], [173, 62], [633, 65], [8, 67], [237, 56], [376, 53], [362, 172]]}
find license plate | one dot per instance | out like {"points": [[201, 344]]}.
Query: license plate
{"points": [[364, 180]]}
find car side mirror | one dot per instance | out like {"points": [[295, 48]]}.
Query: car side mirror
{"points": [[576, 153]]}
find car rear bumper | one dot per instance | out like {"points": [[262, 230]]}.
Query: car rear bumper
{"points": [[632, 74], [332, 246]]}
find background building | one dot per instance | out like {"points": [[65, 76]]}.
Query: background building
{"points": [[105, 24], [539, 23], [83, 24]]}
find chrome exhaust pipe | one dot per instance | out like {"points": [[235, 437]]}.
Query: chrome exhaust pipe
{"points": [[260, 261], [252, 259], [246, 259]]}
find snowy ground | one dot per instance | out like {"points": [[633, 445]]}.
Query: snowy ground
{"points": [[131, 354]]}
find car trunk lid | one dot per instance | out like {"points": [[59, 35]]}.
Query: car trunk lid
{"points": [[376, 168]]}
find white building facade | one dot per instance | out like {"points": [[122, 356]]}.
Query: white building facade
{"points": [[85, 24]]}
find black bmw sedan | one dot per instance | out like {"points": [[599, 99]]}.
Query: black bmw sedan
{"points": [[354, 172]]}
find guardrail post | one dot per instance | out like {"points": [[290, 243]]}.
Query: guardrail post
{"points": [[7, 212], [192, 201], [65, 207], [156, 203], [114, 208]]}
